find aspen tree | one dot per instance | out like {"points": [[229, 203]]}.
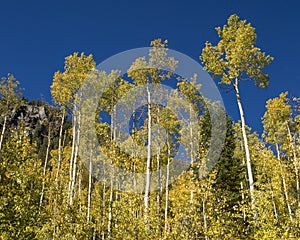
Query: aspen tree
{"points": [[65, 90], [234, 59]]}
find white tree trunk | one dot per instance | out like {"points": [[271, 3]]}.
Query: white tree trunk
{"points": [[148, 167], [204, 218], [273, 200], [70, 194], [57, 172], [284, 184], [74, 173], [3, 131], [76, 150], [110, 205], [191, 138], [243, 198], [79, 177], [134, 156], [103, 211], [89, 190], [167, 192], [159, 184], [247, 152], [295, 163], [45, 167], [110, 217]]}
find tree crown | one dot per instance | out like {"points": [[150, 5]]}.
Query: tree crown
{"points": [[236, 57]]}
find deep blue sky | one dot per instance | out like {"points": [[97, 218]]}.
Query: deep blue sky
{"points": [[36, 36]]}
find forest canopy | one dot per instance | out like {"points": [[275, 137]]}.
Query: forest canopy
{"points": [[251, 192]]}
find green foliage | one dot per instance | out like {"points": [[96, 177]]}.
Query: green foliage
{"points": [[10, 94], [35, 192], [20, 175], [277, 118], [66, 84], [236, 56]]}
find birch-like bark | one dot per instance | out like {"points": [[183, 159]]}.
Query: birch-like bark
{"points": [[79, 177], [148, 167], [72, 156], [191, 150], [191, 138], [110, 217], [110, 205], [204, 217], [167, 191], [89, 189], [242, 185], [134, 155], [45, 167], [243, 198], [159, 186], [273, 200], [286, 195], [3, 131], [295, 163], [75, 160], [247, 152], [57, 172], [103, 211]]}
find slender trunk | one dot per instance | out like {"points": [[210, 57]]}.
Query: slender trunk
{"points": [[3, 131], [191, 154], [273, 200], [167, 192], [79, 177], [135, 212], [72, 156], [118, 198], [159, 192], [204, 218], [247, 152], [60, 145], [243, 199], [192, 197], [45, 167], [64, 139], [110, 214], [134, 178], [159, 186], [90, 189], [284, 184], [295, 163], [73, 182], [134, 155], [242, 185], [191, 138], [103, 212], [110, 205], [57, 172], [148, 167]]}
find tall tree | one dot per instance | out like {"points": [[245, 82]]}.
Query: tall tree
{"points": [[65, 91], [10, 100], [149, 72], [276, 122], [234, 59]]}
